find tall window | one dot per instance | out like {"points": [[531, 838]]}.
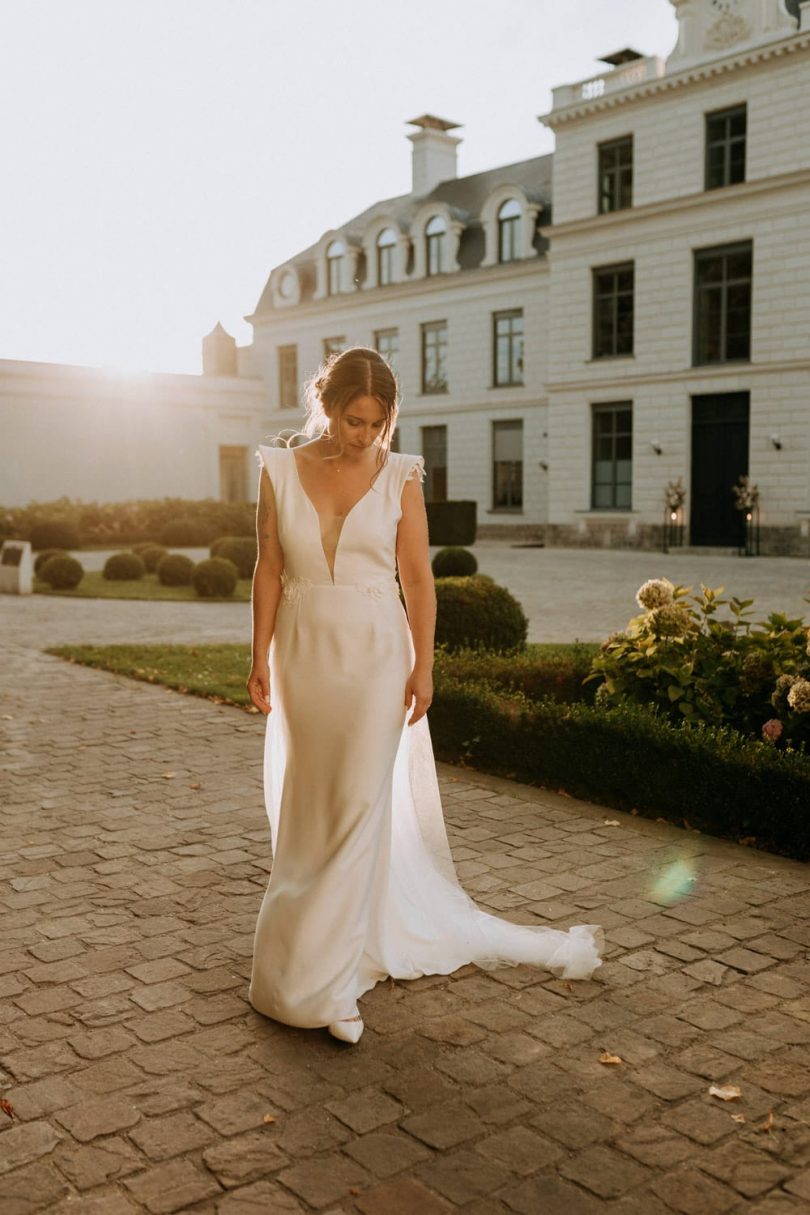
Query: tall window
{"points": [[725, 147], [507, 465], [288, 377], [509, 214], [434, 357], [612, 451], [233, 474], [616, 174], [722, 326], [613, 291], [334, 266], [434, 449], [386, 249], [435, 234], [507, 354], [333, 345], [386, 341]]}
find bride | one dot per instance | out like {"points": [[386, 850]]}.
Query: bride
{"points": [[363, 884]]}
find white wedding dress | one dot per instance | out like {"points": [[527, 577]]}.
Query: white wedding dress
{"points": [[363, 883]]}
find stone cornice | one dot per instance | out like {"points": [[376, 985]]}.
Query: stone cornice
{"points": [[682, 202], [796, 43], [336, 305], [684, 376]]}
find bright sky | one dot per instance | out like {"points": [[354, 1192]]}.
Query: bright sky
{"points": [[161, 156]]}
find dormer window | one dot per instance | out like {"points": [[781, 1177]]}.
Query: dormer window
{"points": [[435, 233], [386, 249], [509, 216], [334, 263]]}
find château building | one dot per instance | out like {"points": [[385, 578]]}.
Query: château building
{"points": [[572, 333]]}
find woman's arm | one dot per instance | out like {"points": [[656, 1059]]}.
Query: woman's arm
{"points": [[416, 579], [265, 594]]}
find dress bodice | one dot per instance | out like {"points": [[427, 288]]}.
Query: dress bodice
{"points": [[361, 545]]}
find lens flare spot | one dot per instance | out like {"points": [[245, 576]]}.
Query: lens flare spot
{"points": [[675, 882]]}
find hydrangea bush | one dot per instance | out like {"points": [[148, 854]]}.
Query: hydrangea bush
{"points": [[695, 666]]}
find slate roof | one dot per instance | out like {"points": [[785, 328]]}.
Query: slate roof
{"points": [[465, 196]]}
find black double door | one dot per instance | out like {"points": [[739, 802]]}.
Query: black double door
{"points": [[720, 430]]}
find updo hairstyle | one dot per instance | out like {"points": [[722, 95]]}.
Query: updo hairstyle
{"points": [[356, 372]]}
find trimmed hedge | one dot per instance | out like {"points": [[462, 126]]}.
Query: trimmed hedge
{"points": [[120, 524], [476, 613], [215, 578], [45, 555], [243, 551], [547, 674], [175, 569], [454, 563], [124, 567], [705, 777], [62, 572]]}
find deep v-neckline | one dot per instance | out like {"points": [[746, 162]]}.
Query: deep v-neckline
{"points": [[330, 570]]}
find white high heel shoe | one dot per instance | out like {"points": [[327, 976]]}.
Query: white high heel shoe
{"points": [[348, 1030]]}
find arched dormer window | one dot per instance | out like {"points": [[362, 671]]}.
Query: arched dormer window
{"points": [[334, 266], [509, 217], [386, 250], [435, 242]]}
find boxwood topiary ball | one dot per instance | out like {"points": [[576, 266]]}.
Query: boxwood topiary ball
{"points": [[241, 550], [62, 572], [44, 556], [475, 612], [454, 562], [175, 569], [215, 578], [152, 555], [124, 567]]}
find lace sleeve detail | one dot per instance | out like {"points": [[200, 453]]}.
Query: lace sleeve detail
{"points": [[416, 468]]}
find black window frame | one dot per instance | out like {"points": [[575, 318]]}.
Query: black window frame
{"points": [[334, 274], [333, 345], [620, 345], [386, 260], [513, 338], [287, 379], [726, 283], [612, 409], [387, 333], [732, 167], [619, 193], [513, 505], [428, 330]]}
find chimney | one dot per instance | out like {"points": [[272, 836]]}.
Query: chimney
{"points": [[219, 353], [434, 152]]}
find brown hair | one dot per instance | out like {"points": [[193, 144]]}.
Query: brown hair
{"points": [[356, 372]]}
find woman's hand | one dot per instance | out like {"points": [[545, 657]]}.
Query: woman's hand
{"points": [[258, 686], [418, 689]]}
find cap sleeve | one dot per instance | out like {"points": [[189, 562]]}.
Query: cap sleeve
{"points": [[415, 468]]}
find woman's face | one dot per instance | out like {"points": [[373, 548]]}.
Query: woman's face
{"points": [[361, 423]]}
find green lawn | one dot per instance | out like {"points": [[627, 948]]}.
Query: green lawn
{"points": [[95, 586], [217, 672]]}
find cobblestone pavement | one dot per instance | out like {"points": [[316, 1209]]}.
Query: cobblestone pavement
{"points": [[134, 855], [566, 594]]}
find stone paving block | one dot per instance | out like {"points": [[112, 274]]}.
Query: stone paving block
{"points": [[100, 1117], [161, 1138], [31, 1189], [604, 1171], [322, 1180], [384, 1153], [574, 1124], [366, 1110], [91, 1165], [463, 1175], [745, 1168], [26, 1142], [520, 1150], [546, 1194], [41, 1097], [171, 1187], [401, 1196], [693, 1193], [246, 1158]]}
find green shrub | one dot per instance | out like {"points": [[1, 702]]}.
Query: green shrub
{"points": [[215, 578], [475, 613], [62, 572], [554, 675], [151, 555], [54, 533], [704, 777], [45, 555], [454, 563], [124, 567], [680, 657], [175, 569], [186, 532], [241, 550]]}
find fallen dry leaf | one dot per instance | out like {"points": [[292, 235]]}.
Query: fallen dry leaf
{"points": [[168, 775], [567, 984], [767, 1125], [738, 1117], [606, 1057], [196, 786], [268, 1118], [7, 717], [6, 1107], [727, 1092], [612, 822]]}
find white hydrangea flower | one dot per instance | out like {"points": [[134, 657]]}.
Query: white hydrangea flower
{"points": [[799, 696], [655, 593]]}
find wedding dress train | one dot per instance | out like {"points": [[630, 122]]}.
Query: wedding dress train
{"points": [[363, 884]]}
